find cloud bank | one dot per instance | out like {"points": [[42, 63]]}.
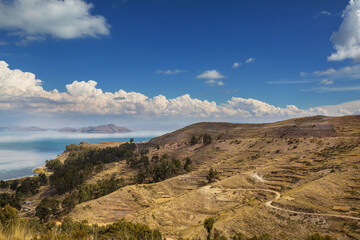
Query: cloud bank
{"points": [[347, 39], [63, 19], [21, 91]]}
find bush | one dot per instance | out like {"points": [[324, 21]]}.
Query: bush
{"points": [[12, 200], [212, 175], [207, 139], [208, 225], [47, 208], [8, 215], [194, 140], [188, 164]]}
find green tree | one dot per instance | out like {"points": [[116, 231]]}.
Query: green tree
{"points": [[47, 208], [194, 140], [207, 139], [43, 179], [188, 164], [208, 225], [8, 215], [69, 202], [212, 175]]}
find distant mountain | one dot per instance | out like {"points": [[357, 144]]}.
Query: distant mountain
{"points": [[67, 129], [22, 129], [109, 128]]}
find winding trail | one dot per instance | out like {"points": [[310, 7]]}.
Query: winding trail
{"points": [[278, 196]]}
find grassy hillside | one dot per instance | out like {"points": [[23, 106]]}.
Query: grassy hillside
{"points": [[287, 179]]}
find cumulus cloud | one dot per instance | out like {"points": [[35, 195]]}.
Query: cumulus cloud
{"points": [[62, 19], [213, 82], [170, 72], [236, 65], [211, 74], [250, 60], [347, 39], [347, 108], [326, 82], [21, 91]]}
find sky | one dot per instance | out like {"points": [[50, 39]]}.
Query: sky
{"points": [[169, 63]]}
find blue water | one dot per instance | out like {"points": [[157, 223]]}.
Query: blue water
{"points": [[21, 153]]}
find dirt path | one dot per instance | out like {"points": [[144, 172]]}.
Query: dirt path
{"points": [[278, 196]]}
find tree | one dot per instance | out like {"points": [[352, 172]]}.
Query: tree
{"points": [[188, 164], [194, 140], [208, 225], [8, 215], [207, 139], [131, 140], [212, 175], [69, 202], [43, 179], [14, 184], [46, 208]]}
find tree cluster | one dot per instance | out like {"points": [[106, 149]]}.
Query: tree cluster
{"points": [[80, 165], [89, 192], [158, 168]]}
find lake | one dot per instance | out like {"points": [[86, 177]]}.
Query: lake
{"points": [[22, 152]]}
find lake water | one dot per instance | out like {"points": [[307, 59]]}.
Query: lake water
{"points": [[22, 152]]}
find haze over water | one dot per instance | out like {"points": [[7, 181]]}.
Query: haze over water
{"points": [[22, 152]]}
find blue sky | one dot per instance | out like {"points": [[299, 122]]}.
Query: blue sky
{"points": [[262, 56]]}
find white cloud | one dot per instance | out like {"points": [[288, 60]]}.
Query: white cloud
{"points": [[326, 72], [326, 82], [211, 74], [170, 72], [347, 108], [250, 60], [213, 82], [21, 91], [347, 39], [236, 65], [303, 74], [3, 43], [332, 89], [64, 19], [345, 73], [290, 82], [326, 13]]}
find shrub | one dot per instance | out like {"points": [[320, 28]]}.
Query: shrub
{"points": [[212, 175], [46, 208], [208, 225], [194, 140], [207, 139], [188, 164]]}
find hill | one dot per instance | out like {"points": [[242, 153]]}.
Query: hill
{"points": [[109, 128], [288, 179]]}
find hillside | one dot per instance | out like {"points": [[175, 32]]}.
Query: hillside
{"points": [[288, 179]]}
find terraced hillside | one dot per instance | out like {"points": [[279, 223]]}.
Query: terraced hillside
{"points": [[288, 179]]}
